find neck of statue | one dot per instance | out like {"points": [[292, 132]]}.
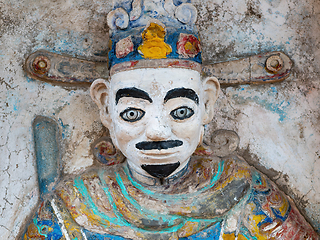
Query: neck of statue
{"points": [[141, 176]]}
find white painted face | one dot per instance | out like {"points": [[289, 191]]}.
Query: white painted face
{"points": [[155, 116], [152, 105]]}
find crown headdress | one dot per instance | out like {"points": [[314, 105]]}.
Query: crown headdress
{"points": [[153, 33]]}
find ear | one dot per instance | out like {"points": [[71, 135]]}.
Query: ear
{"points": [[211, 89], [99, 92]]}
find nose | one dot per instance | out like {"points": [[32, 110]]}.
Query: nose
{"points": [[158, 129]]}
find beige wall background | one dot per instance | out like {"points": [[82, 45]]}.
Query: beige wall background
{"points": [[278, 124]]}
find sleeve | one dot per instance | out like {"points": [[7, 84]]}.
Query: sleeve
{"points": [[270, 214], [52, 222]]}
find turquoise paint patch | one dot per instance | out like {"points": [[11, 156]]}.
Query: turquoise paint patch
{"points": [[72, 92], [278, 108], [274, 89], [13, 101], [71, 42], [65, 41], [106, 191], [245, 232], [79, 184], [149, 214], [35, 222], [43, 225], [29, 79], [117, 213], [64, 127]]}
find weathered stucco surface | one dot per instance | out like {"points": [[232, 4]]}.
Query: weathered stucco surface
{"points": [[278, 124]]}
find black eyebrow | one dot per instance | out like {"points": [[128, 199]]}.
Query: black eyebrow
{"points": [[182, 92], [132, 92]]}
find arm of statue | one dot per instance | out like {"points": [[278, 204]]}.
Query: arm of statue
{"points": [[270, 214], [69, 212], [52, 221]]}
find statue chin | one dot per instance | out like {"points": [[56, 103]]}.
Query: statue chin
{"points": [[160, 171]]}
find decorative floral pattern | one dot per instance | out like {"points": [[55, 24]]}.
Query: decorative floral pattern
{"points": [[188, 45], [124, 47], [106, 153]]}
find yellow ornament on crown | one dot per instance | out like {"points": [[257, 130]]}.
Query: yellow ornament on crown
{"points": [[153, 46]]}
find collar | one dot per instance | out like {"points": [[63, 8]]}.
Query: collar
{"points": [[152, 181]]}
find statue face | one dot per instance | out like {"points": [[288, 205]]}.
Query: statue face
{"points": [[155, 116]]}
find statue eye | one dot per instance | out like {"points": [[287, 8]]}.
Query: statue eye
{"points": [[182, 113], [132, 114]]}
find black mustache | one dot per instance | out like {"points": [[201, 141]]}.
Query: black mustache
{"points": [[158, 145]]}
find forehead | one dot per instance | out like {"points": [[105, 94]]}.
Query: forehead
{"points": [[156, 82]]}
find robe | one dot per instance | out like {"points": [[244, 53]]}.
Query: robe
{"points": [[212, 198]]}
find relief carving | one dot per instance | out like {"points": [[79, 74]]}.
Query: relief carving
{"points": [[159, 181]]}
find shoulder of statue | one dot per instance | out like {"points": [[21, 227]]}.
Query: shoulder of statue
{"points": [[84, 196], [91, 174], [222, 182], [225, 170], [233, 166], [77, 188], [236, 167]]}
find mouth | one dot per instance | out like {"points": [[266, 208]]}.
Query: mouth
{"points": [[160, 171]]}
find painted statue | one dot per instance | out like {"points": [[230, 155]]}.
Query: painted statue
{"points": [[170, 185]]}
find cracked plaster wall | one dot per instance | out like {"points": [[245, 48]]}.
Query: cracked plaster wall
{"points": [[278, 124]]}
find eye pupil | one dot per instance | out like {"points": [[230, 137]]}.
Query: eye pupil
{"points": [[133, 114]]}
